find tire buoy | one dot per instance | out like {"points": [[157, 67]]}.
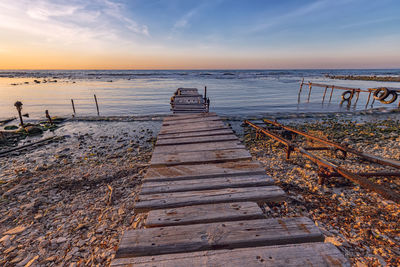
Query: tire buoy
{"points": [[348, 95], [391, 100], [381, 93]]}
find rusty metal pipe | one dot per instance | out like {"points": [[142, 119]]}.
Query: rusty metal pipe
{"points": [[322, 163], [369, 157]]}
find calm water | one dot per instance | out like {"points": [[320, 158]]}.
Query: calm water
{"points": [[232, 93]]}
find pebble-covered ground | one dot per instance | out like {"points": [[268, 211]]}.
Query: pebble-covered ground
{"points": [[68, 202], [362, 224]]}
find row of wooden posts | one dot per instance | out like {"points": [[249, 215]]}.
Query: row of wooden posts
{"points": [[354, 91], [18, 106], [95, 100]]}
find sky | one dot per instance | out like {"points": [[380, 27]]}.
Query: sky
{"points": [[196, 34]]}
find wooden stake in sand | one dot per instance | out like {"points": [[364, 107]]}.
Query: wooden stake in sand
{"points": [[73, 106], [48, 117], [18, 105], [97, 106]]}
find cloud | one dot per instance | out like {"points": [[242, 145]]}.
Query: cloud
{"points": [[92, 24], [184, 21]]}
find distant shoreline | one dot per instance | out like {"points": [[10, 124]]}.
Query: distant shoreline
{"points": [[365, 78]]}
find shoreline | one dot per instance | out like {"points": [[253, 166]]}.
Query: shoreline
{"points": [[71, 200]]}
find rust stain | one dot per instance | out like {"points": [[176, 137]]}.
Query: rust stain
{"points": [[333, 261], [283, 224], [304, 227]]}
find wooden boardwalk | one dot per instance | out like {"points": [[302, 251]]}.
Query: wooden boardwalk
{"points": [[202, 194], [188, 100]]}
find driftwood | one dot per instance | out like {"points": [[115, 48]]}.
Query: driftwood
{"points": [[41, 142], [2, 122]]}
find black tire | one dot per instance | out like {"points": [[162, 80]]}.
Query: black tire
{"points": [[347, 98], [390, 101], [381, 93]]}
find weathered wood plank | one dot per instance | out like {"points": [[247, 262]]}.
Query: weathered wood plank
{"points": [[196, 140], [191, 127], [307, 254], [191, 198], [204, 214], [219, 145], [199, 157], [183, 117], [191, 120], [185, 131], [203, 171], [223, 235], [206, 184], [224, 131]]}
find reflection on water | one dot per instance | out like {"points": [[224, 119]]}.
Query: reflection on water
{"points": [[233, 93]]}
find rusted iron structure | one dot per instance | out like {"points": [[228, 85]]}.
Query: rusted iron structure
{"points": [[379, 93], [328, 169]]}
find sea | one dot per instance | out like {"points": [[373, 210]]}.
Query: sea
{"points": [[235, 93]]}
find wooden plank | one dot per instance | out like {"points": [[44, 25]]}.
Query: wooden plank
{"points": [[176, 148], [204, 214], [223, 235], [206, 184], [203, 171], [191, 126], [191, 120], [199, 157], [196, 140], [227, 195], [203, 129], [307, 254], [224, 131], [183, 117]]}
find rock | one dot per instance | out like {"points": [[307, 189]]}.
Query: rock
{"points": [[60, 240], [33, 130], [16, 230], [5, 240]]}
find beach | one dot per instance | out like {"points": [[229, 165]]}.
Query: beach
{"points": [[69, 202]]}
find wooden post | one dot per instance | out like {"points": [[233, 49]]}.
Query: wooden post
{"points": [[48, 117], [97, 106], [369, 96], [300, 89], [73, 106], [358, 95], [330, 98], [323, 98], [205, 92], [18, 105], [309, 93]]}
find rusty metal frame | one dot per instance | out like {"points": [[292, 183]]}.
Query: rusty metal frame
{"points": [[366, 156], [328, 169]]}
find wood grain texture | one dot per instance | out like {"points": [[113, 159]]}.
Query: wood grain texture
{"points": [[225, 235], [204, 214], [224, 131], [191, 127], [203, 171], [218, 145], [206, 184], [191, 120], [183, 117], [199, 157], [191, 198], [308, 254], [197, 139]]}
